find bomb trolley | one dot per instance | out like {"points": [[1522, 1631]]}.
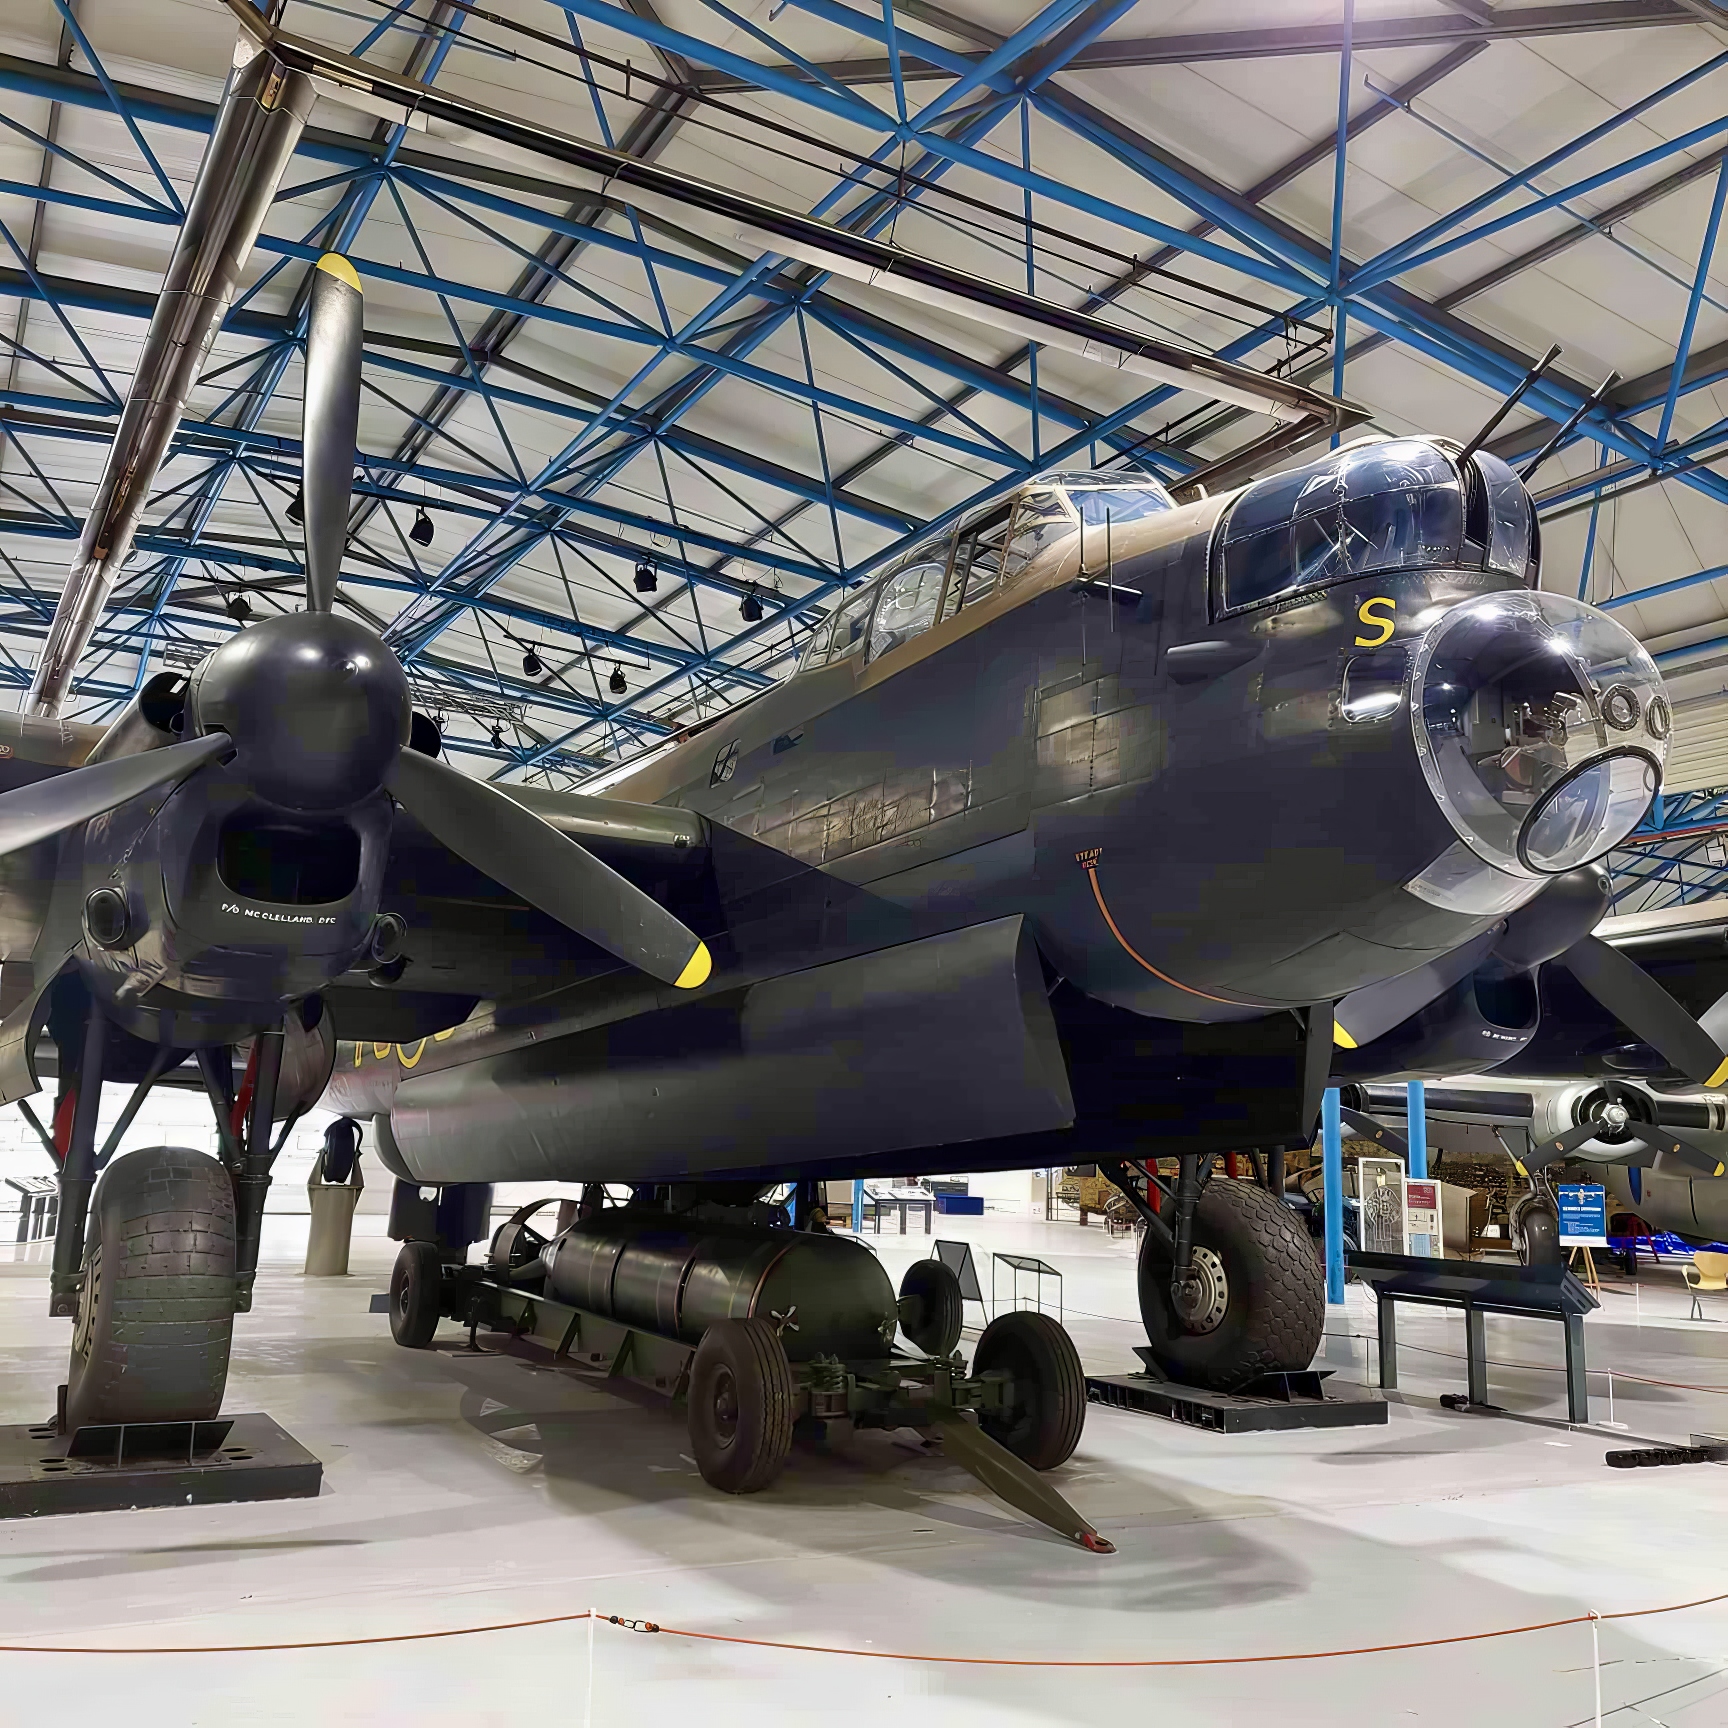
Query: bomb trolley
{"points": [[757, 1331]]}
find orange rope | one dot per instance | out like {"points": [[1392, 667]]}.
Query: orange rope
{"points": [[1178, 1661], [310, 1644], [845, 1650]]}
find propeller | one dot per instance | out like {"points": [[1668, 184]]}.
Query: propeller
{"points": [[1641, 1005], [50, 807], [1616, 1119], [1554, 927], [330, 424], [317, 714]]}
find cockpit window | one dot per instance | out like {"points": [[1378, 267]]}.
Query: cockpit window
{"points": [[1509, 516], [843, 634], [1392, 505], [908, 604], [1042, 518]]}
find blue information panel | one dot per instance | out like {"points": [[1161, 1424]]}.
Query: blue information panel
{"points": [[1583, 1215]]}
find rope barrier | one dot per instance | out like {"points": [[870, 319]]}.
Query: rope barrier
{"points": [[650, 1626], [308, 1644]]}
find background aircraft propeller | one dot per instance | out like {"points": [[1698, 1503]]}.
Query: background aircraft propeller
{"points": [[315, 711]]}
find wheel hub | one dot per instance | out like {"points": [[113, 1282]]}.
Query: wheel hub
{"points": [[1203, 1298]]}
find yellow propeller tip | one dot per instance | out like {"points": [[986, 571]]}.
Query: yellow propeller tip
{"points": [[1342, 1038], [696, 970], [1719, 1076], [334, 264]]}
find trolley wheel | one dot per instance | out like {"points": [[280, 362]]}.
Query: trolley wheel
{"points": [[931, 1308], [156, 1313], [1047, 1408], [416, 1295], [740, 1405], [1257, 1303]]}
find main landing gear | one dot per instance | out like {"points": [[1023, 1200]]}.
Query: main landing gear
{"points": [[1230, 1289], [156, 1251]]}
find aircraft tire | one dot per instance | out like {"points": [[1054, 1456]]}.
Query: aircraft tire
{"points": [[932, 1311], [1266, 1291], [1043, 1427], [416, 1295], [740, 1405], [155, 1318], [1539, 1237]]}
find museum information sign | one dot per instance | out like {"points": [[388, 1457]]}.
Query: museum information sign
{"points": [[1583, 1215]]}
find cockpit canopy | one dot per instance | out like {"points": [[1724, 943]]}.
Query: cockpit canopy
{"points": [[980, 555], [1393, 504]]}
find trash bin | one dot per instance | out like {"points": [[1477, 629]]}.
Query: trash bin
{"points": [[333, 1202]]}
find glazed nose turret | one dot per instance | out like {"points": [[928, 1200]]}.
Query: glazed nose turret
{"points": [[1541, 727]]}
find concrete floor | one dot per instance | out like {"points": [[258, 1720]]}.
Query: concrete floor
{"points": [[461, 1491]]}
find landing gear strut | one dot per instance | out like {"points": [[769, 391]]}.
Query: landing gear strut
{"points": [[1229, 1285]]}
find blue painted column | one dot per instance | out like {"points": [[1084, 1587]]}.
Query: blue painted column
{"points": [[1418, 1135], [858, 1206], [1332, 1169]]}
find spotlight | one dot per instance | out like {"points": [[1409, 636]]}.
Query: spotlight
{"points": [[497, 737], [646, 580], [421, 532], [532, 664], [296, 511], [238, 609], [616, 682], [750, 610]]}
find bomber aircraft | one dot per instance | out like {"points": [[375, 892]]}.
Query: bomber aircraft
{"points": [[1098, 828]]}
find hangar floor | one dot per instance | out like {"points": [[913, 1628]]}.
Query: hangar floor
{"points": [[462, 1491]]}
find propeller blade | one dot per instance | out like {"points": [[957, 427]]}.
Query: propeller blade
{"points": [[1670, 1149], [50, 807], [1640, 1004], [1365, 1014], [1365, 1127], [330, 420], [531, 858], [1559, 1146]]}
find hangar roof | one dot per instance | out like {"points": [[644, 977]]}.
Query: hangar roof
{"points": [[570, 388]]}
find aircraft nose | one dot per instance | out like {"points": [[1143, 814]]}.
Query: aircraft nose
{"points": [[1541, 726]]}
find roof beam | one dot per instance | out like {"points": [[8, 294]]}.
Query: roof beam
{"points": [[1265, 42]]}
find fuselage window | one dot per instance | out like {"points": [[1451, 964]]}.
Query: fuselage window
{"points": [[908, 605], [1395, 505]]}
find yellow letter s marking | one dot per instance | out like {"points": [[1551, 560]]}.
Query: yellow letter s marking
{"points": [[1368, 615]]}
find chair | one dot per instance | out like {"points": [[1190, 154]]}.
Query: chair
{"points": [[1707, 1272]]}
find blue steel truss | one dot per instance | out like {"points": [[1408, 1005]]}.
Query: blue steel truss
{"points": [[622, 482]]}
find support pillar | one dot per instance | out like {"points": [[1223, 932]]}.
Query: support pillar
{"points": [[1332, 1170]]}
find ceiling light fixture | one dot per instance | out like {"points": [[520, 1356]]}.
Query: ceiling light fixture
{"points": [[421, 532], [616, 682], [646, 580]]}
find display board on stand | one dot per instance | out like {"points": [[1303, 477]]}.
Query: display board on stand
{"points": [[1422, 1218]]}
